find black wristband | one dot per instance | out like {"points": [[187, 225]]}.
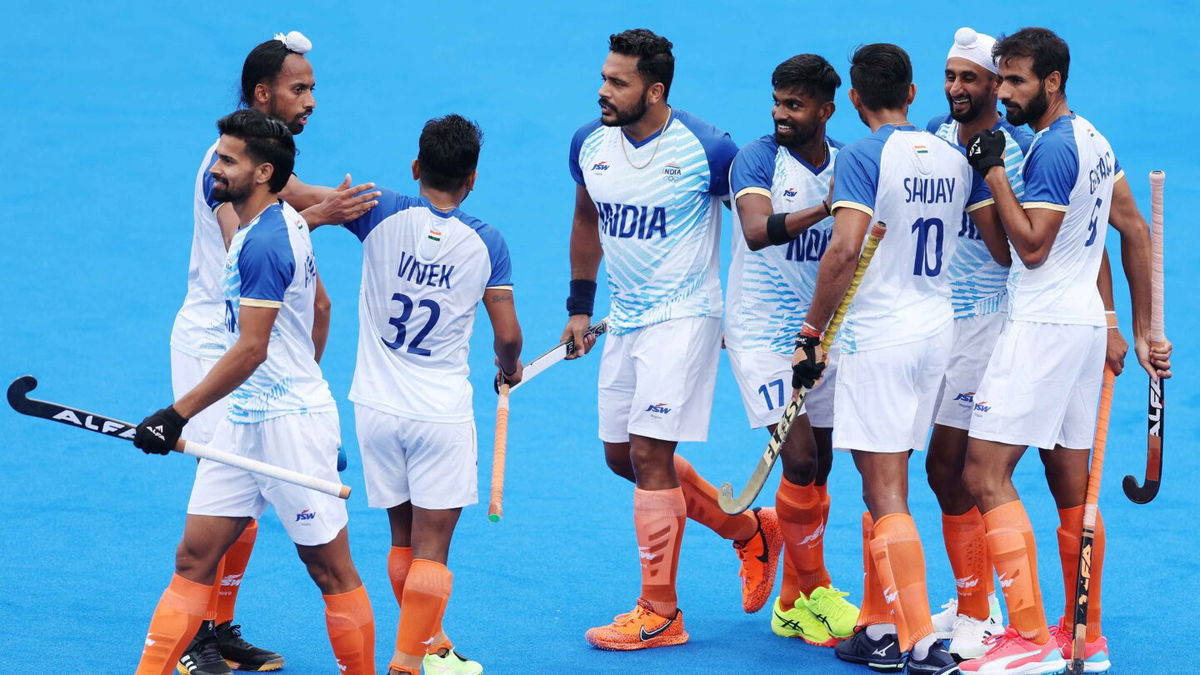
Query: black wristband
{"points": [[777, 229], [582, 297]]}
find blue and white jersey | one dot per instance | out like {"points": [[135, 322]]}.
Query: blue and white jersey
{"points": [[770, 289], [199, 328], [919, 186], [424, 273], [659, 202], [271, 264], [978, 284], [1070, 168]]}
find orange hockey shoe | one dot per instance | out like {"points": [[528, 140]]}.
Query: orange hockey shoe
{"points": [[760, 559], [639, 629]]}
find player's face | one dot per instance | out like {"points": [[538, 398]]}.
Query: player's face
{"points": [[1021, 91], [970, 89], [234, 171], [798, 117], [622, 93], [292, 93]]}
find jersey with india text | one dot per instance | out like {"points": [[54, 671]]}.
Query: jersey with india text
{"points": [[1070, 168], [978, 284], [919, 186], [199, 329], [659, 204], [271, 264], [770, 289], [424, 272]]}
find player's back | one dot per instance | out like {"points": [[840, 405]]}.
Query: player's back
{"points": [[424, 273], [919, 186], [198, 327]]}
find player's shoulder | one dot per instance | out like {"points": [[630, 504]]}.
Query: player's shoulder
{"points": [[759, 148], [586, 130], [834, 143], [268, 234], [935, 123], [700, 128], [869, 146], [489, 234], [1021, 135], [1055, 141]]}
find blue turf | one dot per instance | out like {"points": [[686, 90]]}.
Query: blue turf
{"points": [[105, 116]]}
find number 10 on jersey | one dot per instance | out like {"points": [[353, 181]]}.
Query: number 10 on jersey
{"points": [[928, 261]]}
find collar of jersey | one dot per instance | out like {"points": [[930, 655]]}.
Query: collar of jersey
{"points": [[260, 214], [638, 144], [452, 213], [816, 170]]}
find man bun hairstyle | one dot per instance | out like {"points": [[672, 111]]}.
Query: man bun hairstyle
{"points": [[1048, 51], [655, 63], [881, 73], [448, 151], [809, 74], [267, 140]]}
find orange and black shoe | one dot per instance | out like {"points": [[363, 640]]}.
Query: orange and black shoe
{"points": [[639, 629], [760, 560]]}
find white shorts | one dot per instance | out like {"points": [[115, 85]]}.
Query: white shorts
{"points": [[884, 397], [186, 373], [974, 339], [1042, 386], [432, 464], [765, 381], [658, 381], [302, 442]]}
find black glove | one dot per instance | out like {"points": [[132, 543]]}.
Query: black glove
{"points": [[808, 371], [159, 432], [985, 150]]}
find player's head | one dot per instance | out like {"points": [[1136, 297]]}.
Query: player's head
{"points": [[971, 75], [1033, 72], [255, 152], [804, 87], [637, 75], [278, 80], [448, 154], [880, 79]]}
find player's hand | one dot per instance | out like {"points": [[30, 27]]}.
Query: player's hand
{"points": [[344, 204], [808, 362], [511, 379], [986, 150], [1114, 355], [576, 332], [158, 433], [1155, 359]]}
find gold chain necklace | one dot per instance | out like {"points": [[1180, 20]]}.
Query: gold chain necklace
{"points": [[657, 143]]}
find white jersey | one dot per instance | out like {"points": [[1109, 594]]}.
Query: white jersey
{"points": [[659, 202], [1070, 168], [271, 264], [919, 186], [199, 326], [424, 273], [978, 284], [770, 289]]}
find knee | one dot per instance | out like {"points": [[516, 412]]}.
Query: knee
{"points": [[940, 477], [332, 577], [802, 471], [622, 466], [195, 563], [979, 482]]}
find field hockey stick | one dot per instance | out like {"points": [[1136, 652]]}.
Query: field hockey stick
{"points": [[81, 419], [560, 352], [749, 493], [1083, 578], [1154, 414], [499, 450]]}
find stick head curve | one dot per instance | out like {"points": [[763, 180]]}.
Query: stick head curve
{"points": [[18, 390]]}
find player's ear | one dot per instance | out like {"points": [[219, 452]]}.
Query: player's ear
{"points": [[912, 92], [263, 173], [470, 184], [654, 93], [262, 93], [855, 100], [1053, 82], [826, 111], [416, 169]]}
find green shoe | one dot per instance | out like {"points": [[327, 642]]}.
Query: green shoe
{"points": [[450, 663], [839, 616], [799, 622]]}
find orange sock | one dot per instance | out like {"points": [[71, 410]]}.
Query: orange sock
{"points": [[659, 517], [400, 559], [1014, 554], [702, 505], [1069, 541], [874, 607], [426, 593], [823, 490], [966, 544], [800, 518], [176, 619], [351, 627], [900, 562], [233, 568]]}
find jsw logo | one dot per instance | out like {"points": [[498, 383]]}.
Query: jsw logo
{"points": [[968, 396], [658, 408], [305, 515], [982, 406]]}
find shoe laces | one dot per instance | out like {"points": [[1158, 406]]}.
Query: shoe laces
{"points": [[233, 633], [627, 618], [207, 652], [951, 604], [830, 602], [997, 640]]}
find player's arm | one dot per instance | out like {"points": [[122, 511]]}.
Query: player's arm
{"points": [[837, 265], [502, 312], [762, 228], [1033, 226], [1117, 346], [1135, 260], [1031, 231], [586, 254], [322, 310], [328, 206], [228, 219], [236, 365], [987, 221]]}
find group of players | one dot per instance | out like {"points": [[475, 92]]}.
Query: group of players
{"points": [[982, 311]]}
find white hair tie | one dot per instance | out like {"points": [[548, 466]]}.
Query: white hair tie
{"points": [[295, 42]]}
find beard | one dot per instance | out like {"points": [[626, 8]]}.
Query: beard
{"points": [[800, 135], [222, 191], [974, 110], [630, 115], [294, 125], [1037, 106]]}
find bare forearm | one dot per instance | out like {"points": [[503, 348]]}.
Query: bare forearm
{"points": [[755, 230], [1012, 216], [1104, 283], [586, 252], [833, 280], [227, 374], [1135, 260], [322, 310]]}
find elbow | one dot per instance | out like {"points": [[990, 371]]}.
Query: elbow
{"points": [[323, 306], [1034, 258], [755, 244], [256, 354]]}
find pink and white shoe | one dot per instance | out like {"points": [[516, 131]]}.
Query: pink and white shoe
{"points": [[1011, 654], [1095, 652]]}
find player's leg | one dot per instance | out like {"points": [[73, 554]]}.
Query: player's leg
{"points": [[426, 589], [348, 616]]}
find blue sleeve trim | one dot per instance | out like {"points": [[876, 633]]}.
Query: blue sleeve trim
{"points": [[1052, 166], [577, 145], [390, 204], [754, 166], [718, 147], [497, 249], [266, 264], [856, 172], [936, 123], [208, 182]]}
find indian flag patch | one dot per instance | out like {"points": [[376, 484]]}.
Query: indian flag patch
{"points": [[921, 149], [434, 235]]}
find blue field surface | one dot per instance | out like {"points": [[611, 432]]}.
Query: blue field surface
{"points": [[105, 111]]}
